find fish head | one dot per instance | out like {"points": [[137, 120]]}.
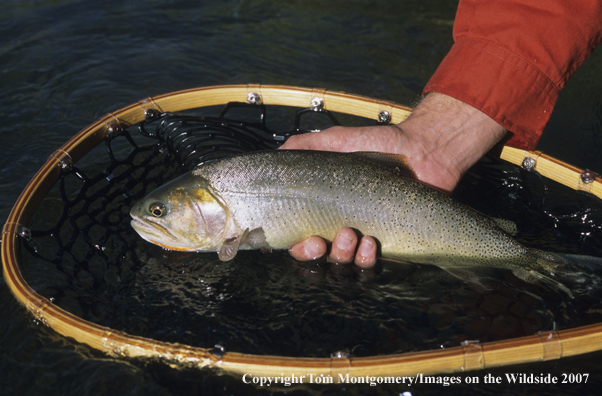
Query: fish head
{"points": [[184, 215]]}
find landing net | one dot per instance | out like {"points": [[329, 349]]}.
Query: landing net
{"points": [[89, 276]]}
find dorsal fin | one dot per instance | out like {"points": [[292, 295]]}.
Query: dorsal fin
{"points": [[396, 162]]}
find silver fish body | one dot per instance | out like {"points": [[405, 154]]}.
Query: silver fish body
{"points": [[274, 199]]}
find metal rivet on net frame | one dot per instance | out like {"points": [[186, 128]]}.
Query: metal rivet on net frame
{"points": [[384, 117], [19, 230], [25, 233], [528, 163], [587, 176], [64, 159], [217, 352], [253, 98], [114, 129], [66, 164], [316, 104], [151, 114], [340, 355]]}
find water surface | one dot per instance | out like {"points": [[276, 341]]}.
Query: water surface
{"points": [[63, 64]]}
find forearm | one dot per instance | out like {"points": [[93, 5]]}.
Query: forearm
{"points": [[511, 58]]}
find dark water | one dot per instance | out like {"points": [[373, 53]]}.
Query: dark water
{"points": [[64, 64]]}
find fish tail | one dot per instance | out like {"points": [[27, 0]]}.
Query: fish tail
{"points": [[556, 269], [570, 262], [532, 276]]}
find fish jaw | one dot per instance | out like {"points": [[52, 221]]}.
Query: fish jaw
{"points": [[159, 235]]}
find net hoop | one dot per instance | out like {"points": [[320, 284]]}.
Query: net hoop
{"points": [[469, 356]]}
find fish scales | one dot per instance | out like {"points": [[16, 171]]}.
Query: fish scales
{"points": [[309, 193]]}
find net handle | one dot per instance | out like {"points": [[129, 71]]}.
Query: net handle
{"points": [[469, 356]]}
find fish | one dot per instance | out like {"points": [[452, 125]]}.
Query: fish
{"points": [[273, 199]]}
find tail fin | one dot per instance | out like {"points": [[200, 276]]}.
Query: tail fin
{"points": [[573, 261], [578, 270]]}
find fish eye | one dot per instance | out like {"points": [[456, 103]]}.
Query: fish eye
{"points": [[157, 209]]}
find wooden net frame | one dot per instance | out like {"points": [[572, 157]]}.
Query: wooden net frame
{"points": [[469, 356]]}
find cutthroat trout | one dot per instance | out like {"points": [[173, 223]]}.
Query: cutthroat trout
{"points": [[274, 199]]}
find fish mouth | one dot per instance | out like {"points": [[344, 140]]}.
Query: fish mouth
{"points": [[157, 234]]}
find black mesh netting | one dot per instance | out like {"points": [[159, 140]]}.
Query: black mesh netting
{"points": [[86, 258]]}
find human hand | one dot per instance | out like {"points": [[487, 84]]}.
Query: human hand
{"points": [[343, 249], [441, 140]]}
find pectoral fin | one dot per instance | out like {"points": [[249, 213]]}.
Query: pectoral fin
{"points": [[230, 246]]}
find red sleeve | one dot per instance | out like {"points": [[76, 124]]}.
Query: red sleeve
{"points": [[512, 57]]}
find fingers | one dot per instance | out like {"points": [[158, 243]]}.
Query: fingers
{"points": [[311, 248], [366, 253], [343, 246], [343, 249]]}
